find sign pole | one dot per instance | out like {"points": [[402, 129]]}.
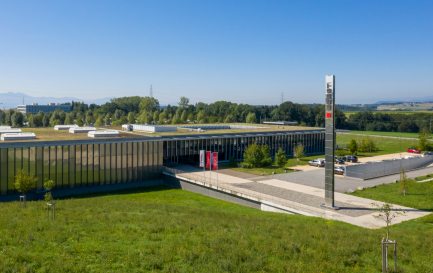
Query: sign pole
{"points": [[329, 142]]}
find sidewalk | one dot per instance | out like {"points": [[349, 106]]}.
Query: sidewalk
{"points": [[296, 198]]}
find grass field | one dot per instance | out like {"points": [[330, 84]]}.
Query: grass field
{"points": [[419, 195], [177, 231], [385, 145], [390, 134]]}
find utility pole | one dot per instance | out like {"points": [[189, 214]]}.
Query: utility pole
{"points": [[151, 92], [282, 97]]}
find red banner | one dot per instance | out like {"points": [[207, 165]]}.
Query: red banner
{"points": [[208, 158], [215, 161]]}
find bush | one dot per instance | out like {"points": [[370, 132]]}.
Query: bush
{"points": [[368, 145], [280, 158], [24, 182], [256, 156], [298, 153], [353, 146]]}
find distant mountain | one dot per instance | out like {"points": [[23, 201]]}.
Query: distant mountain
{"points": [[407, 99], [12, 99]]}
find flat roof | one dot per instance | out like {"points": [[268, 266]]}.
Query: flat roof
{"points": [[49, 137]]}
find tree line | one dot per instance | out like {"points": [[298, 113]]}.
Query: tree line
{"points": [[148, 110]]}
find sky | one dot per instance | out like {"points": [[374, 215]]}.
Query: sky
{"points": [[238, 50]]}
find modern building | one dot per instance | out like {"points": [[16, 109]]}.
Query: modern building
{"points": [[97, 162], [35, 108]]}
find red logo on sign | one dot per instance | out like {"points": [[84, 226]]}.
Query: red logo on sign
{"points": [[328, 115]]}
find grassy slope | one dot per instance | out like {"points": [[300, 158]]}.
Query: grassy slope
{"points": [[177, 231], [420, 195]]}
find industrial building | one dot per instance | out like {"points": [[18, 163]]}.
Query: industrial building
{"points": [[36, 108], [93, 162]]}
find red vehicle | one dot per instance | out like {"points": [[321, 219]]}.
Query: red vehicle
{"points": [[413, 150]]}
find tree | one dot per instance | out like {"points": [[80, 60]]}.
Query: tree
{"points": [[251, 118], [48, 186], [17, 119], [184, 116], [387, 214], [423, 139], [367, 145], [353, 146], [183, 102], [131, 117], [68, 119], [298, 152], [257, 156], [24, 183], [404, 182], [280, 158]]}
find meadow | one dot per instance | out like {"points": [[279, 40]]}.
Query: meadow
{"points": [[170, 230], [418, 195]]}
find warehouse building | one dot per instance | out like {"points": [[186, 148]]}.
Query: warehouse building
{"points": [[94, 162]]}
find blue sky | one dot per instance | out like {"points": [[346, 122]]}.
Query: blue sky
{"points": [[239, 50]]}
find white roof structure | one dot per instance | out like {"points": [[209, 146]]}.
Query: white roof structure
{"points": [[10, 130], [103, 133], [17, 136], [3, 127], [65, 127], [76, 130]]}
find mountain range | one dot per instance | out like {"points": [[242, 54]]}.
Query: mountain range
{"points": [[12, 99]]}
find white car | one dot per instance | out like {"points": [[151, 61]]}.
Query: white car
{"points": [[320, 162]]}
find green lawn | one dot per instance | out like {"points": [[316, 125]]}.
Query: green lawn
{"points": [[291, 162], [177, 231], [385, 145], [419, 195], [392, 134]]}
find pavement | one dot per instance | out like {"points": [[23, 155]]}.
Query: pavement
{"points": [[298, 192]]}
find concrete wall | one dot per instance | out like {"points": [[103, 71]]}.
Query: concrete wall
{"points": [[387, 167], [173, 182]]}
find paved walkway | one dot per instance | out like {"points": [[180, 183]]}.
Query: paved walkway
{"points": [[279, 195]]}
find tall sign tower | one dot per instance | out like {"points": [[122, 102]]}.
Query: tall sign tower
{"points": [[329, 141]]}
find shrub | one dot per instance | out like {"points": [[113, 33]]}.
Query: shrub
{"points": [[367, 145], [256, 156], [24, 182], [280, 158], [298, 153]]}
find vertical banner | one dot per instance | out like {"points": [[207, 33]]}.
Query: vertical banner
{"points": [[215, 161], [208, 158], [202, 159]]}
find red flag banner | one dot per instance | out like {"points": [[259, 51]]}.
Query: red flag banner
{"points": [[215, 161], [208, 155]]}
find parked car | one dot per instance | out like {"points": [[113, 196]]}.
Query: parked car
{"points": [[339, 170], [320, 162], [428, 153], [413, 150], [351, 158], [340, 160]]}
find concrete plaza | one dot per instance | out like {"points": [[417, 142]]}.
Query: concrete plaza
{"points": [[283, 193]]}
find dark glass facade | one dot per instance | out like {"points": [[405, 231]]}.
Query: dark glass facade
{"points": [[71, 164], [232, 147], [97, 162]]}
